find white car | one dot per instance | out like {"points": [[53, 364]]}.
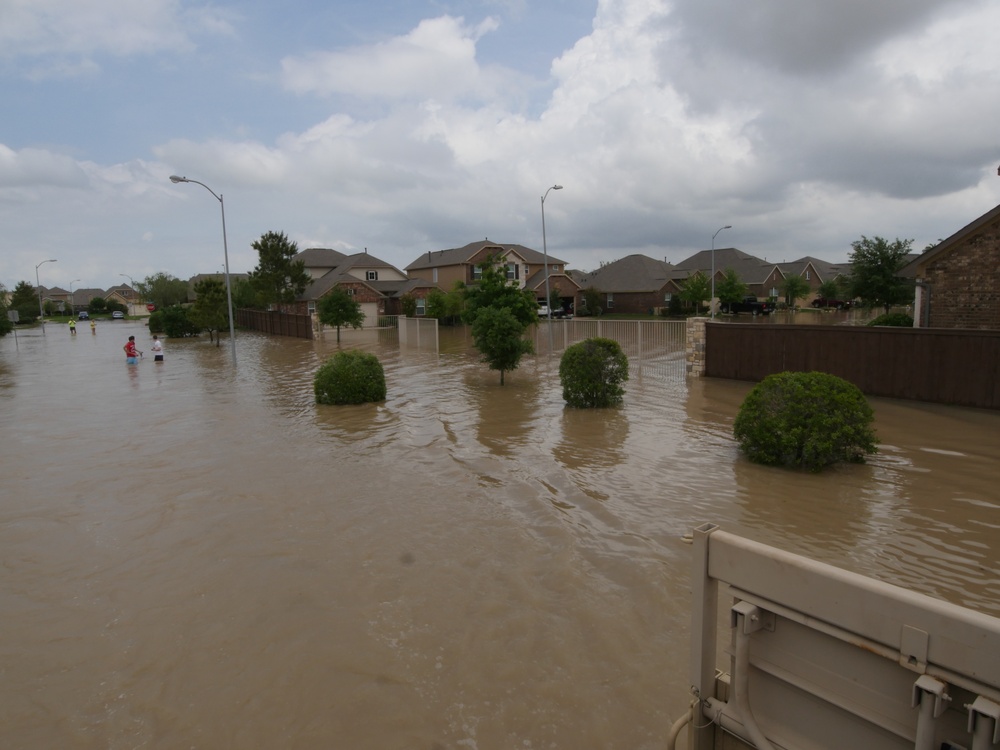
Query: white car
{"points": [[543, 311], [118, 314]]}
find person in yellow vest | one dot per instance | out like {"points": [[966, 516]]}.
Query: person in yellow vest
{"points": [[93, 327], [72, 326]]}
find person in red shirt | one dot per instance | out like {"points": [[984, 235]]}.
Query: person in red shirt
{"points": [[131, 353]]}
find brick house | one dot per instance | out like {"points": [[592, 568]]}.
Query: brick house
{"points": [[958, 281], [762, 278], [525, 267], [633, 284]]}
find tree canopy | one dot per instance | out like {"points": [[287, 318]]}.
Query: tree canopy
{"points": [[794, 287], [211, 307], [875, 265], [24, 299], [500, 312], [696, 289], [277, 278], [731, 288], [338, 308], [163, 290]]}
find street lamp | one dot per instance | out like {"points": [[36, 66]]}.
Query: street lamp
{"points": [[131, 282], [225, 249], [545, 252], [38, 286], [728, 226], [72, 301]]}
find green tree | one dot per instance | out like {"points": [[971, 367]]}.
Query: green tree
{"points": [[829, 290], [409, 304], [163, 290], [338, 308], [97, 306], [730, 288], [24, 299], [499, 336], [794, 287], [875, 265], [447, 307], [696, 289], [210, 310], [494, 290], [177, 322], [277, 278], [592, 372], [591, 302], [6, 326], [244, 297]]}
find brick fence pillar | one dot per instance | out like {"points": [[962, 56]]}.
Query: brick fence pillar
{"points": [[695, 346]]}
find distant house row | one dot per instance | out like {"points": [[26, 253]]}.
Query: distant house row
{"points": [[957, 282], [633, 284]]}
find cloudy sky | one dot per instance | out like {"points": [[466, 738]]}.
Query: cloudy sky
{"points": [[403, 126]]}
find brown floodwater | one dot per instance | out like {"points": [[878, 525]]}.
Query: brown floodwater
{"points": [[197, 557]]}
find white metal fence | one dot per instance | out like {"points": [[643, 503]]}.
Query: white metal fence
{"points": [[652, 346], [418, 333]]}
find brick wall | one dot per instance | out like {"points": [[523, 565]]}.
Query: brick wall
{"points": [[965, 283]]}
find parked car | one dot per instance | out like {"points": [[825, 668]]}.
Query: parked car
{"points": [[750, 305], [543, 311], [840, 304], [118, 314], [83, 315]]}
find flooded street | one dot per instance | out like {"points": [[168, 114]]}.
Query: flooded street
{"points": [[200, 557]]}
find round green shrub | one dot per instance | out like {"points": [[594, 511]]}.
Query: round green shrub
{"points": [[350, 377], [901, 320], [592, 373], [805, 419]]}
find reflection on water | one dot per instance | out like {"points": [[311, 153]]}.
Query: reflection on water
{"points": [[200, 557]]}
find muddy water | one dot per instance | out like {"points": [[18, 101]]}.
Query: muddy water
{"points": [[194, 557]]}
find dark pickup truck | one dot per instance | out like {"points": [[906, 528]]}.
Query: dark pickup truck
{"points": [[750, 305]]}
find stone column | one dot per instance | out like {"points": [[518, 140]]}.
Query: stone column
{"points": [[695, 346]]}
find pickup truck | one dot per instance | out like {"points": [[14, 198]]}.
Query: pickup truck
{"points": [[750, 305], [840, 304]]}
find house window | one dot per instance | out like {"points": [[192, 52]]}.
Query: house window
{"points": [[434, 274], [807, 275], [555, 268], [371, 275], [667, 297], [421, 306], [774, 291], [311, 306], [511, 271], [350, 291], [611, 301], [477, 273]]}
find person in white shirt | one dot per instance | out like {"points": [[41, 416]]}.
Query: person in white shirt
{"points": [[157, 348]]}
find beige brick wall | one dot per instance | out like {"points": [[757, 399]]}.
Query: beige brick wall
{"points": [[965, 284]]}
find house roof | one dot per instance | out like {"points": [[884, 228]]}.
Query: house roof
{"points": [[633, 273], [749, 268], [460, 255], [825, 270], [918, 265], [320, 257]]}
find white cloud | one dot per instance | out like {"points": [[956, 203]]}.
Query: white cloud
{"points": [[437, 60], [82, 28]]}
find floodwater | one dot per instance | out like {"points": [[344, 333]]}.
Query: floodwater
{"points": [[197, 557]]}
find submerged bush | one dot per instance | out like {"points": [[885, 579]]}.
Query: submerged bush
{"points": [[592, 373], [892, 319], [805, 419], [350, 377]]}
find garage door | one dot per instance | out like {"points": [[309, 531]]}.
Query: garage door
{"points": [[370, 310]]}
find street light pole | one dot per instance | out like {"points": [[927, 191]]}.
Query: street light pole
{"points": [[131, 281], [545, 252], [728, 226], [72, 301], [225, 248], [38, 287]]}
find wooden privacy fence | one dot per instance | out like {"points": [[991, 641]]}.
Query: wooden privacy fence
{"points": [[278, 323], [959, 367]]}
